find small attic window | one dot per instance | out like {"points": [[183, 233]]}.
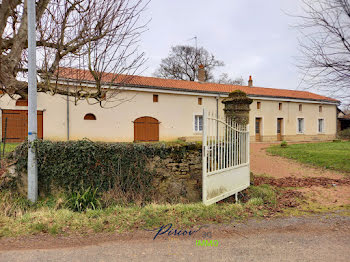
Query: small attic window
{"points": [[89, 117], [258, 105], [199, 100], [22, 102], [155, 98]]}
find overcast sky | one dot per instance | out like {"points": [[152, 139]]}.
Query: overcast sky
{"points": [[252, 37]]}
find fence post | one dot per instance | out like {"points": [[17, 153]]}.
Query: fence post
{"points": [[204, 156]]}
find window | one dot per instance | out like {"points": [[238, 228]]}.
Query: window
{"points": [[280, 106], [300, 125], [279, 125], [199, 100], [320, 125], [89, 117], [198, 123], [257, 125], [22, 102], [300, 107], [155, 98], [258, 105], [320, 109]]}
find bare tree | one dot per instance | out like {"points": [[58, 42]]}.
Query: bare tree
{"points": [[325, 45], [99, 36], [183, 63], [225, 79]]}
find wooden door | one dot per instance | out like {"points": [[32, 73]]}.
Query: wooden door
{"points": [[279, 129], [17, 125], [257, 129], [146, 129]]}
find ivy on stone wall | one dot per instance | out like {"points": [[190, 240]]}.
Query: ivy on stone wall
{"points": [[75, 165]]}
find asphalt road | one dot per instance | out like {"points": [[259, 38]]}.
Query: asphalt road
{"points": [[319, 238]]}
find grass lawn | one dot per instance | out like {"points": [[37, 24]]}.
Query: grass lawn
{"points": [[332, 155]]}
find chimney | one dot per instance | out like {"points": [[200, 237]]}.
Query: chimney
{"points": [[201, 73], [250, 82]]}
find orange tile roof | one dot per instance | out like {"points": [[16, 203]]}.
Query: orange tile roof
{"points": [[153, 82]]}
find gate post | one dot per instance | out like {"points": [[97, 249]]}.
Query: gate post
{"points": [[237, 110], [204, 156], [237, 107]]}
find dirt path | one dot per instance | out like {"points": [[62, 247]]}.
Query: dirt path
{"points": [[322, 186], [318, 238], [276, 166]]}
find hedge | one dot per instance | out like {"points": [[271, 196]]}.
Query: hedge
{"points": [[75, 165]]}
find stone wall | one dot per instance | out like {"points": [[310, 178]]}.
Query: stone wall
{"points": [[171, 171], [178, 179]]}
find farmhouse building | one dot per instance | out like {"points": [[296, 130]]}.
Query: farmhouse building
{"points": [[155, 109], [343, 120]]}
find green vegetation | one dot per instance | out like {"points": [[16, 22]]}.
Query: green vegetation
{"points": [[122, 167], [264, 193], [19, 217], [326, 154], [81, 201], [309, 208], [257, 201], [54, 215], [284, 144], [9, 147]]}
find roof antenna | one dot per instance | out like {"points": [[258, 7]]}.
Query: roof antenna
{"points": [[195, 40]]}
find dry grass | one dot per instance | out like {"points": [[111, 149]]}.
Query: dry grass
{"points": [[18, 217]]}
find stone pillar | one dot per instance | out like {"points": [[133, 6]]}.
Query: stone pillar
{"points": [[237, 107]]}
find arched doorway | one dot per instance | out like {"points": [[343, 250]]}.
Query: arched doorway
{"points": [[146, 129]]}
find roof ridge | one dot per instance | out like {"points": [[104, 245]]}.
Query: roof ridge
{"points": [[151, 81]]}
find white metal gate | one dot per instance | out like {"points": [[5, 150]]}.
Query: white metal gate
{"points": [[225, 158]]}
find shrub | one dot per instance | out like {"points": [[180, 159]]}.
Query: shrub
{"points": [[284, 144], [81, 201], [344, 134]]}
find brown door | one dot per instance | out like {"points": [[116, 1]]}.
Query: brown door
{"points": [[257, 129], [16, 128], [146, 129], [279, 129]]}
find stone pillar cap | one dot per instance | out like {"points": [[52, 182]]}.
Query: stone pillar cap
{"points": [[238, 97]]}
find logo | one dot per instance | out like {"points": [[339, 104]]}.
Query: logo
{"points": [[167, 229], [207, 243]]}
